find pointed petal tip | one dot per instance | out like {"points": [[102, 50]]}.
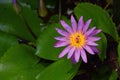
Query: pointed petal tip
{"points": [[95, 49], [68, 56], [80, 23], [88, 21], [89, 50], [83, 55], [60, 56], [61, 44], [56, 29], [94, 27], [92, 43], [55, 45], [98, 38], [62, 32], [61, 21], [76, 61], [73, 23], [81, 19], [72, 16], [66, 26], [81, 16], [60, 38], [85, 61], [94, 38], [99, 30], [87, 25], [55, 38], [90, 30]]}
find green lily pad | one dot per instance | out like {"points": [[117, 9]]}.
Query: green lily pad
{"points": [[6, 41], [19, 63], [11, 23], [60, 70]]}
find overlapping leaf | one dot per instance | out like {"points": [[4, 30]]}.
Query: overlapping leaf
{"points": [[60, 70], [11, 23], [32, 20], [6, 41], [19, 63]]}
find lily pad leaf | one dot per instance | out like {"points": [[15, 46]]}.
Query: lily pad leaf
{"points": [[12, 23], [60, 70], [19, 63], [6, 41], [31, 18]]}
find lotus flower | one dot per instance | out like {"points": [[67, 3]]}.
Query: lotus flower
{"points": [[77, 39]]}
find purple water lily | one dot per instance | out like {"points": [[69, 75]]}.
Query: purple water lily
{"points": [[78, 39]]}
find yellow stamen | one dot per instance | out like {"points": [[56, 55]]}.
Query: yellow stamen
{"points": [[77, 39]]}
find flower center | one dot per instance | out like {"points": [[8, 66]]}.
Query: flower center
{"points": [[77, 39]]}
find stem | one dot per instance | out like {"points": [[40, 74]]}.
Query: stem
{"points": [[59, 9], [42, 9], [110, 1], [28, 27]]}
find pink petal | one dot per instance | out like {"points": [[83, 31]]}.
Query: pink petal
{"points": [[74, 24], [83, 55], [61, 44], [61, 38], [95, 49], [90, 31], [72, 50], [66, 26], [88, 49], [77, 55], [80, 23], [62, 32], [95, 32], [93, 38], [73, 59], [86, 25], [64, 52], [91, 43]]}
